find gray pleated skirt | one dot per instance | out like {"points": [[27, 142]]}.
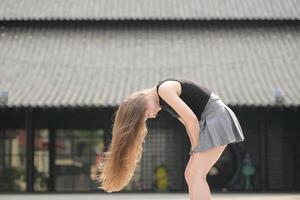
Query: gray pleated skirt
{"points": [[218, 125]]}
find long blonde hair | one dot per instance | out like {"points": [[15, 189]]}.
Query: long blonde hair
{"points": [[128, 133]]}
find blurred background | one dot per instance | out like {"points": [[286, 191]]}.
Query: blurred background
{"points": [[65, 66]]}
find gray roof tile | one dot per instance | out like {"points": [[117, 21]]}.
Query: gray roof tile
{"points": [[148, 9], [100, 65]]}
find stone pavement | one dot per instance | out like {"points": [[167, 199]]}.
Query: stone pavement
{"points": [[147, 196]]}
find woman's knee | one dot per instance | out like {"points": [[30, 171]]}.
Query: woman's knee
{"points": [[191, 175], [198, 169], [187, 174], [197, 175]]}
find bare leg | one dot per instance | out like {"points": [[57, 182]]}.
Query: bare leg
{"points": [[197, 169]]}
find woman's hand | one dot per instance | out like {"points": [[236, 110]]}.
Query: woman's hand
{"points": [[193, 145]]}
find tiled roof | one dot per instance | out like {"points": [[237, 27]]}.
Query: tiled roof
{"points": [[101, 64], [148, 9]]}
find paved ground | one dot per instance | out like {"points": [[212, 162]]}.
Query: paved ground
{"points": [[176, 196]]}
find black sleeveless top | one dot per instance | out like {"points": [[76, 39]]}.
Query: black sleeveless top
{"points": [[193, 94]]}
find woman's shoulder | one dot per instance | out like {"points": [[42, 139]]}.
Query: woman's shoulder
{"points": [[170, 84]]}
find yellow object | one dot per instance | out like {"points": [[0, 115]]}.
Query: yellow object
{"points": [[161, 175]]}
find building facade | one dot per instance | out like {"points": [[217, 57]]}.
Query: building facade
{"points": [[65, 68]]}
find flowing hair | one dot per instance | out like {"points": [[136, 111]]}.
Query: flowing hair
{"points": [[128, 133]]}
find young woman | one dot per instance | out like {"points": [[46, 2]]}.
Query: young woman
{"points": [[209, 123]]}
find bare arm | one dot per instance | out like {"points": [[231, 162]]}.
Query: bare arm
{"points": [[168, 92], [181, 121]]}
